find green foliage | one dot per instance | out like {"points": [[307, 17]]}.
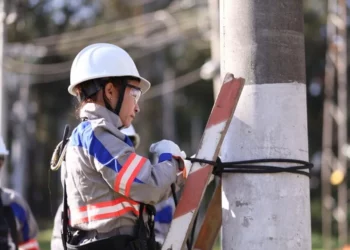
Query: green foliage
{"points": [[45, 17], [44, 239]]}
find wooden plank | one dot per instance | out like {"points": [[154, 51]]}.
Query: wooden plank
{"points": [[209, 148], [211, 223]]}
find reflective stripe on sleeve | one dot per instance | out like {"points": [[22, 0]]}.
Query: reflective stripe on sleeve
{"points": [[128, 173]]}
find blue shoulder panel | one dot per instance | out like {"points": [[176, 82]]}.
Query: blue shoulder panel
{"points": [[20, 214], [83, 136]]}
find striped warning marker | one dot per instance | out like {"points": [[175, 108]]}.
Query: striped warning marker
{"points": [[209, 148], [211, 224]]}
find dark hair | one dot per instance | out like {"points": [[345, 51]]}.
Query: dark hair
{"points": [[91, 99], [102, 81]]}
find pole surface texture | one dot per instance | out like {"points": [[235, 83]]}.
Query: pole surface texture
{"points": [[263, 42]]}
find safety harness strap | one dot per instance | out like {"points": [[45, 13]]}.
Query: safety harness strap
{"points": [[65, 228], [143, 240]]}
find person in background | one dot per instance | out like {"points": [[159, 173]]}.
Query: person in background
{"points": [[18, 228]]}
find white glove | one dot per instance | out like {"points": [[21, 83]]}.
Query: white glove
{"points": [[165, 146]]}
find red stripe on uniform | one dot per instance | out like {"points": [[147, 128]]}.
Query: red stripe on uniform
{"points": [[226, 102], [115, 214], [29, 245], [107, 215], [133, 176], [122, 171], [192, 194], [104, 204]]}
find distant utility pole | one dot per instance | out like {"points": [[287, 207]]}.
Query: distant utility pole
{"points": [[168, 109], [3, 120], [2, 85], [19, 149], [211, 69], [263, 42], [334, 164], [213, 7]]}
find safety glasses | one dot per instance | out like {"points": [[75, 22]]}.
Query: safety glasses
{"points": [[135, 92]]}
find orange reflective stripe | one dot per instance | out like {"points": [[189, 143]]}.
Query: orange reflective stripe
{"points": [[128, 174], [133, 175], [104, 204], [122, 172], [29, 245], [103, 210], [103, 216]]}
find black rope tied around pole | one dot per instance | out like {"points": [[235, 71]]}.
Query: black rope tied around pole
{"points": [[251, 167]]}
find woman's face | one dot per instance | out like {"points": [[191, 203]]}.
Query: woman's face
{"points": [[130, 106]]}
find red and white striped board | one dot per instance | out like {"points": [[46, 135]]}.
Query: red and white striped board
{"points": [[209, 148], [211, 223]]}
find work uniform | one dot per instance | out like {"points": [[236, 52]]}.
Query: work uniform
{"points": [[106, 180], [26, 227], [56, 238], [162, 220]]}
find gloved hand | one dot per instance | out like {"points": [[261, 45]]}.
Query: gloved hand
{"points": [[187, 169], [188, 165], [166, 146]]}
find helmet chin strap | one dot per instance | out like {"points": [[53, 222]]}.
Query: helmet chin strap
{"points": [[121, 88]]}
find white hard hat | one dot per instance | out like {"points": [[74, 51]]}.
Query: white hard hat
{"points": [[131, 133], [3, 150], [103, 60]]}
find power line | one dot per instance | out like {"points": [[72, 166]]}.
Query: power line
{"points": [[134, 40], [70, 42], [179, 83], [90, 32], [155, 43], [73, 43], [100, 29]]}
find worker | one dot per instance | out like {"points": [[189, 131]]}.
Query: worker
{"points": [[111, 190], [56, 239], [18, 228]]}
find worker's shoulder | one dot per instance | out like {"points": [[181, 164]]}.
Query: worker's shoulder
{"points": [[10, 196], [92, 133]]}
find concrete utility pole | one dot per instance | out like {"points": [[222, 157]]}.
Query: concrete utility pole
{"points": [[213, 7], [3, 127], [19, 149], [2, 36], [327, 138], [342, 121], [334, 164], [168, 109], [211, 69], [263, 42]]}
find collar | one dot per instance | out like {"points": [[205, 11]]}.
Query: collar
{"points": [[93, 111]]}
